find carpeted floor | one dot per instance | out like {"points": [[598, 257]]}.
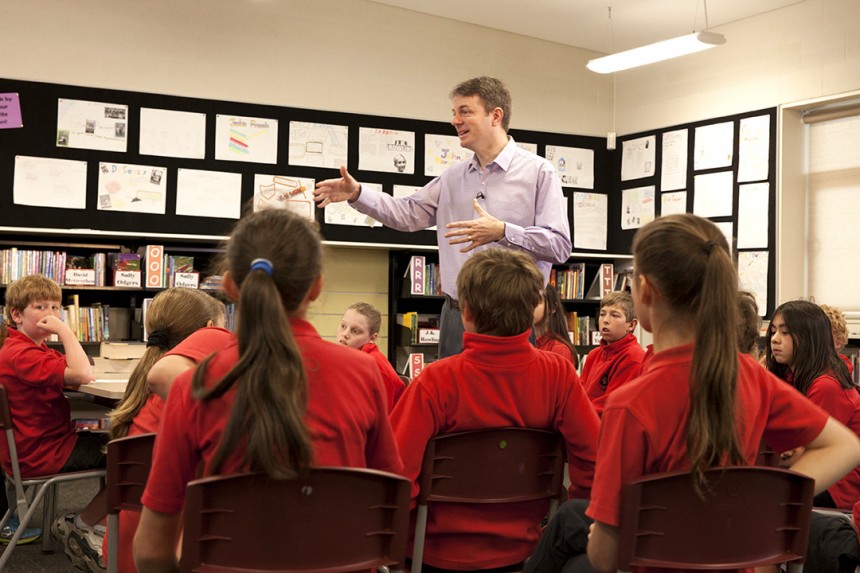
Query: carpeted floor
{"points": [[73, 497]]}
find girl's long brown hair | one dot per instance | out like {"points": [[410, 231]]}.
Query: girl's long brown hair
{"points": [[271, 388], [687, 259], [173, 315]]}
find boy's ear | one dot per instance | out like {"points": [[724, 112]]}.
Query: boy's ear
{"points": [[16, 315], [631, 326], [373, 337], [645, 289]]}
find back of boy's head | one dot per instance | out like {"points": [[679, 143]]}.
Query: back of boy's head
{"points": [[367, 310], [622, 300], [748, 322], [501, 289], [838, 325], [30, 288], [177, 312]]}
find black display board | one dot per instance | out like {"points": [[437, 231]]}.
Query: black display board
{"points": [[38, 137], [767, 218]]}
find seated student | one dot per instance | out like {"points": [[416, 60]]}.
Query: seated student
{"points": [[278, 399], [749, 322], [172, 317], [34, 376], [498, 380], [800, 350], [619, 357], [840, 332], [833, 545], [551, 327], [699, 404], [358, 329]]}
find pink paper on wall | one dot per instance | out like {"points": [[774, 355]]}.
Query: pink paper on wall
{"points": [[10, 111]]}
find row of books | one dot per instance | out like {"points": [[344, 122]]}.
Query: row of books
{"points": [[425, 279], [420, 328], [95, 270], [582, 329], [570, 281], [90, 323]]}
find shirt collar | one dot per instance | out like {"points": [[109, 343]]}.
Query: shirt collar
{"points": [[503, 159], [498, 350]]}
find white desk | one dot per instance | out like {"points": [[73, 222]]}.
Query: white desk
{"points": [[111, 389]]}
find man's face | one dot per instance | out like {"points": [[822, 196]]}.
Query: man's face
{"points": [[472, 121]]}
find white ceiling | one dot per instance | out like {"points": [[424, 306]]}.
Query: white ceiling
{"points": [[586, 24]]}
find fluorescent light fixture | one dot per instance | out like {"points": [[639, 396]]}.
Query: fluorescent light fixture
{"points": [[657, 52]]}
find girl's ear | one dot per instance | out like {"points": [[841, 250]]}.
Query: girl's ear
{"points": [[316, 289], [229, 286]]}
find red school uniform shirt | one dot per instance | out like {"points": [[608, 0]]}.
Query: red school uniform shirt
{"points": [[394, 386], [549, 344], [639, 432], [346, 418], [197, 346], [609, 366], [495, 382], [33, 375], [844, 405]]}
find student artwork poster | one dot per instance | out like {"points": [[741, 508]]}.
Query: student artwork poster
{"points": [[386, 150], [590, 221], [342, 214], [575, 167], [638, 158], [48, 182], [92, 125], [284, 192], [637, 207], [318, 144], [249, 139], [133, 188], [169, 133], [202, 193], [440, 151]]}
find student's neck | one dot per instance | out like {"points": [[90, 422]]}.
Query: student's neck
{"points": [[486, 154], [38, 340], [668, 335]]}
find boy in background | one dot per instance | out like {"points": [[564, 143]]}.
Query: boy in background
{"points": [[34, 376], [619, 357], [358, 329], [840, 332], [499, 380]]}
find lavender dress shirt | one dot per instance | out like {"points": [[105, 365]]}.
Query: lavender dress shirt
{"points": [[518, 187]]}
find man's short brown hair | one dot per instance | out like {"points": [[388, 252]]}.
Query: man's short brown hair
{"points": [[501, 288], [492, 92]]}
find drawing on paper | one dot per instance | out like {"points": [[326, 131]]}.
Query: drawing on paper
{"points": [[386, 150], [133, 188], [441, 151], [343, 214], [574, 166], [91, 125], [249, 139], [283, 192], [318, 144]]}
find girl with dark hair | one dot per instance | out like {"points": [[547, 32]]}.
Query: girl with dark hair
{"points": [[699, 404], [800, 350], [278, 399], [551, 327]]}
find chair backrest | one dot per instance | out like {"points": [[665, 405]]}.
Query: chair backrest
{"points": [[498, 465], [749, 516], [128, 463], [332, 520], [405, 379], [6, 426]]}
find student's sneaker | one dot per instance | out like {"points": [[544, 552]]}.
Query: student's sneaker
{"points": [[30, 534], [83, 545]]}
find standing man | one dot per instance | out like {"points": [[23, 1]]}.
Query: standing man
{"points": [[503, 196]]}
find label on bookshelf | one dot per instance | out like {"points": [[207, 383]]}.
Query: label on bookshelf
{"points": [[186, 280], [428, 336], [416, 275], [129, 279], [154, 266], [81, 277], [595, 338], [416, 365]]}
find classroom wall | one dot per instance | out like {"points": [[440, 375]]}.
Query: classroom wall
{"points": [[807, 50]]}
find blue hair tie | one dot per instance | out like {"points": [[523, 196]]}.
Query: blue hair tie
{"points": [[264, 265]]}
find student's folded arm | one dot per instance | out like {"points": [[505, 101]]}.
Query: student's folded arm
{"points": [[78, 368], [162, 374], [603, 547], [155, 542], [830, 456]]}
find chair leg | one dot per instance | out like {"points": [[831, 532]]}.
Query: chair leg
{"points": [[49, 505], [418, 543]]}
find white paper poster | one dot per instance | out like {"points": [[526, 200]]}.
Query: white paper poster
{"points": [[250, 139], [318, 144], [133, 188], [575, 166], [637, 207], [441, 151], [673, 203], [168, 133], [386, 150], [284, 192], [92, 125], [590, 220], [637, 158], [45, 182], [753, 148], [405, 191], [727, 228], [714, 145], [712, 196], [343, 214], [673, 175], [202, 193], [752, 276], [753, 216], [530, 147]]}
